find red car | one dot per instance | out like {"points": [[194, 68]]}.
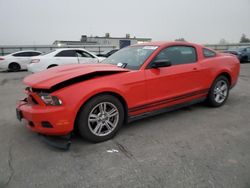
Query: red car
{"points": [[137, 81]]}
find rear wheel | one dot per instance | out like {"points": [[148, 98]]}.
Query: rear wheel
{"points": [[100, 118], [244, 59], [14, 67], [219, 92]]}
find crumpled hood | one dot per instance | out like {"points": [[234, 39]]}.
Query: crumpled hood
{"points": [[53, 76]]}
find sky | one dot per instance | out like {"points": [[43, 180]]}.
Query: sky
{"points": [[25, 22]]}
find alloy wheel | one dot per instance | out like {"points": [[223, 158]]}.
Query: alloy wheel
{"points": [[220, 91], [103, 119]]}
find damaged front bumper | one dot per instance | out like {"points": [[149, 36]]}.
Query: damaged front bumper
{"points": [[47, 120]]}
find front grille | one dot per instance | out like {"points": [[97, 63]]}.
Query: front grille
{"points": [[46, 124]]}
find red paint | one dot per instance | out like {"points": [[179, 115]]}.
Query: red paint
{"points": [[143, 90]]}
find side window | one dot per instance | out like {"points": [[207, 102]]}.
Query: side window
{"points": [[22, 54], [178, 55], [248, 50], [244, 50], [83, 54], [35, 53], [66, 53], [208, 53]]}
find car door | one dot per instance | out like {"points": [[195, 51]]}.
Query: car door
{"points": [[65, 57], [85, 57], [22, 57], [176, 83]]}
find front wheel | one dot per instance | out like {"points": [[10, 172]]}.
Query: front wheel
{"points": [[100, 118], [219, 92]]}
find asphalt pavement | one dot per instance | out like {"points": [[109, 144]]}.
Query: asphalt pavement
{"points": [[197, 146]]}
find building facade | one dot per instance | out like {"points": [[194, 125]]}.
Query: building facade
{"points": [[107, 40]]}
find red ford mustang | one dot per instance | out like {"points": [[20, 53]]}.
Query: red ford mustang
{"points": [[137, 81]]}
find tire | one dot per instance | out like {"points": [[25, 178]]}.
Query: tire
{"points": [[14, 67], [247, 59], [219, 92], [51, 66], [93, 122], [244, 59]]}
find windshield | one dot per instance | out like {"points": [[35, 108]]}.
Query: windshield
{"points": [[242, 49], [131, 57]]}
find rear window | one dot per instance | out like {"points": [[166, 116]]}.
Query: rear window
{"points": [[67, 53], [26, 54], [35, 53], [208, 53]]}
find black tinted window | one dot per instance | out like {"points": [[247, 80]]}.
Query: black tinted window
{"points": [[35, 53], [208, 53], [67, 53], [22, 54], [178, 55], [83, 54]]}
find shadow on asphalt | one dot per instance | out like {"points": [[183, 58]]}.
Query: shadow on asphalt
{"points": [[76, 139]]}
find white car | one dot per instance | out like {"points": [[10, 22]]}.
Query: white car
{"points": [[17, 61], [62, 56]]}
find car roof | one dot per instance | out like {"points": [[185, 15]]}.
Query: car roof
{"points": [[166, 43], [26, 51], [60, 49]]}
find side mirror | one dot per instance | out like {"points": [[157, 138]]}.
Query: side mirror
{"points": [[160, 63]]}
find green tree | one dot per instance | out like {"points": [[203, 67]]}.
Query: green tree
{"points": [[223, 41], [244, 39]]}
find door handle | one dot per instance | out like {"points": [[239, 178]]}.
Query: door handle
{"points": [[195, 69]]}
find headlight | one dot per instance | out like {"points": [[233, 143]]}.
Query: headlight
{"points": [[50, 100], [35, 61]]}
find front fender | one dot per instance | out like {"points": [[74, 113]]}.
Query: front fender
{"points": [[76, 95]]}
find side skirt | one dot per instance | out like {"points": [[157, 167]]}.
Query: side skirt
{"points": [[164, 110]]}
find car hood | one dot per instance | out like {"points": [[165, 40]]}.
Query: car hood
{"points": [[56, 75]]}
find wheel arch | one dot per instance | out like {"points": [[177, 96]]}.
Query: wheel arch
{"points": [[218, 74], [11, 62], [115, 94], [52, 65], [227, 75]]}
